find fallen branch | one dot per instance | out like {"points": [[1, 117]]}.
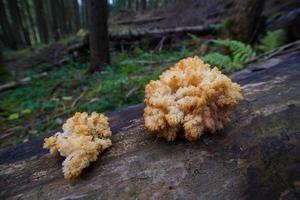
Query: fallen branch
{"points": [[140, 21], [201, 29], [21, 82]]}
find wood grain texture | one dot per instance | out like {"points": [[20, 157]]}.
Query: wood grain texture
{"points": [[255, 157]]}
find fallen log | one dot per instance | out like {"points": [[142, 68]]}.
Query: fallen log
{"points": [[22, 81], [141, 21], [256, 156], [201, 30]]}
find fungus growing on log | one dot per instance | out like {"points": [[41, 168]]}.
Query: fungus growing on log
{"points": [[82, 139], [189, 99]]}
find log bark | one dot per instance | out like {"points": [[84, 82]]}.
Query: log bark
{"points": [[201, 29], [256, 156]]}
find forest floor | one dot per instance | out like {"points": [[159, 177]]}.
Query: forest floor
{"points": [[41, 105]]}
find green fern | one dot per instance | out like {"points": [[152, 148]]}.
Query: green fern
{"points": [[272, 40], [217, 59], [240, 52]]}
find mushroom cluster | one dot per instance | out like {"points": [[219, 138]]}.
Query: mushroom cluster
{"points": [[82, 139], [189, 99]]}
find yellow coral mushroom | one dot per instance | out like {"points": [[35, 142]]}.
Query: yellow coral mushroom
{"points": [[189, 99], [82, 139]]}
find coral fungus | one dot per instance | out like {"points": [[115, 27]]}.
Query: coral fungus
{"points": [[189, 99], [83, 138]]}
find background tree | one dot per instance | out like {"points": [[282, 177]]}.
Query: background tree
{"points": [[99, 48], [6, 29], [143, 5], [245, 19], [41, 20], [20, 34]]}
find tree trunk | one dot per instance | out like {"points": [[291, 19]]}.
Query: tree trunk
{"points": [[16, 21], [55, 16], [41, 20], [8, 35], [62, 18], [129, 4], [99, 48], [245, 18], [26, 27], [137, 4], [143, 5], [69, 15], [256, 156], [76, 15], [31, 21]]}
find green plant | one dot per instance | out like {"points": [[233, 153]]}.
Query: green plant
{"points": [[272, 40], [240, 53], [217, 59]]}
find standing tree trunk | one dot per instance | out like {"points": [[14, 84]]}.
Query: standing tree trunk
{"points": [[55, 19], [41, 20], [76, 15], [16, 22], [137, 4], [30, 18], [245, 18], [8, 35], [143, 5], [99, 48]]}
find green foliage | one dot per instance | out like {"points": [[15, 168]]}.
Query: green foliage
{"points": [[35, 107], [217, 59], [82, 33], [240, 53], [272, 40]]}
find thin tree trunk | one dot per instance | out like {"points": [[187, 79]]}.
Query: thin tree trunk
{"points": [[129, 4], [76, 15], [137, 4], [83, 14], [41, 20], [9, 39], [99, 48], [31, 21], [55, 19], [16, 22], [143, 5], [69, 15], [63, 21], [25, 25]]}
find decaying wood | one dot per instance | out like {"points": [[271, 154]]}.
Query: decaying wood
{"points": [[201, 30], [256, 156], [23, 81], [141, 21]]}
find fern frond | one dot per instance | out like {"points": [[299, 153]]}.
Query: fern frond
{"points": [[240, 52], [217, 59], [272, 40]]}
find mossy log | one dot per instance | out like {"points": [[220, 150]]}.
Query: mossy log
{"points": [[257, 155]]}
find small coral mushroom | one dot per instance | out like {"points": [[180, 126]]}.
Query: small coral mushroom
{"points": [[83, 138], [189, 98]]}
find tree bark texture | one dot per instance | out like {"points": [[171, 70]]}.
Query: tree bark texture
{"points": [[17, 29], [8, 36], [99, 48], [41, 21], [245, 18], [256, 156]]}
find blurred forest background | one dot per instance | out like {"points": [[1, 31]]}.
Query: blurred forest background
{"points": [[62, 56]]}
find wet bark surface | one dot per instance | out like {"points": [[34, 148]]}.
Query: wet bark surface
{"points": [[255, 157]]}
